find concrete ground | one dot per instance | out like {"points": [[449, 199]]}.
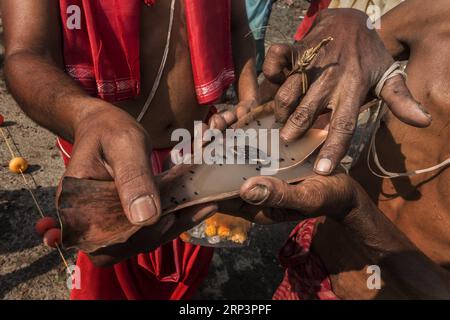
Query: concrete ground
{"points": [[29, 270]]}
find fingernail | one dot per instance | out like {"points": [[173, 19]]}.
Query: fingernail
{"points": [[258, 194], [324, 165], [424, 111], [143, 209]]}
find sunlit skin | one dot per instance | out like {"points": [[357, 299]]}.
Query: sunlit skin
{"points": [[108, 142]]}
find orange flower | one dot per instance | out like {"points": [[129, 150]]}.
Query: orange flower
{"points": [[210, 230], [224, 231]]}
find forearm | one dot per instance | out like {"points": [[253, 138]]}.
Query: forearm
{"points": [[387, 247], [46, 94], [244, 54]]}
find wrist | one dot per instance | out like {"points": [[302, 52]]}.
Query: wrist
{"points": [[100, 116], [90, 108]]}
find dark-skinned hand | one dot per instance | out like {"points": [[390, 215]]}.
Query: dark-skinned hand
{"points": [[151, 237], [267, 200], [341, 78]]}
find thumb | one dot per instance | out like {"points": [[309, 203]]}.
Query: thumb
{"points": [[317, 195], [400, 101], [271, 192], [131, 169]]}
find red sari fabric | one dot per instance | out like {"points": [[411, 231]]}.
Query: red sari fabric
{"points": [[305, 277], [102, 55], [313, 10], [171, 272]]}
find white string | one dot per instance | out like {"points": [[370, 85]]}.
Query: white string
{"points": [[388, 174], [161, 67], [395, 69], [62, 148], [28, 187]]}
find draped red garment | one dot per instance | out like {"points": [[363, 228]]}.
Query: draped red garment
{"points": [[305, 277], [101, 46]]}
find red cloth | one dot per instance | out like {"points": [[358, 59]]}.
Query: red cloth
{"points": [[305, 276], [103, 54], [313, 10], [173, 271]]}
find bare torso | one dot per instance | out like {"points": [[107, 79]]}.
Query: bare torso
{"points": [[175, 103], [419, 206]]}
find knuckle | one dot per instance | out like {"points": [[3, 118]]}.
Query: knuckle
{"points": [[302, 117], [242, 110], [343, 125], [128, 136], [279, 194], [275, 61], [229, 116], [311, 193], [127, 177], [354, 75], [333, 151], [277, 50], [334, 192], [285, 98]]}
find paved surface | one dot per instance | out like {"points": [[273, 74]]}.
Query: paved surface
{"points": [[28, 270]]}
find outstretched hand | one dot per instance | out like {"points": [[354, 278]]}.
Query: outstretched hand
{"points": [[267, 200], [340, 78]]}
